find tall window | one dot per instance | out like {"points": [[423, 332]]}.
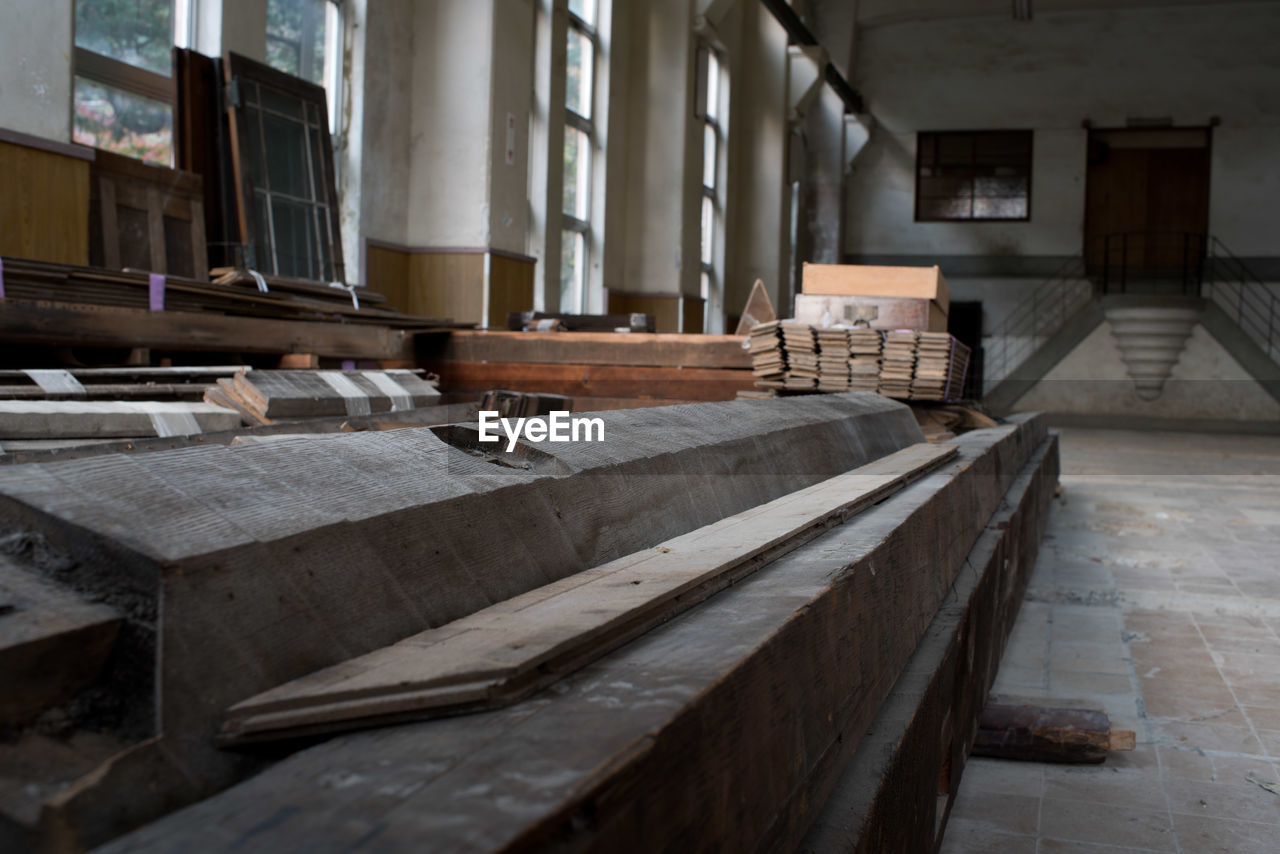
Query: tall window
{"points": [[713, 146], [304, 38], [579, 143], [123, 94], [979, 175]]}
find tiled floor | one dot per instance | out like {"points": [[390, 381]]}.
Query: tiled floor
{"points": [[1157, 597]]}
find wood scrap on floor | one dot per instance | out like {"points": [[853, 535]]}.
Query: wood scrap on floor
{"points": [[515, 404], [267, 396], [504, 652], [1047, 732], [94, 419]]}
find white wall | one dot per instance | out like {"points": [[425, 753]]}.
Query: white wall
{"points": [[35, 87], [1188, 62]]}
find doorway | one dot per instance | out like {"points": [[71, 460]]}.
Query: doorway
{"points": [[1147, 208]]}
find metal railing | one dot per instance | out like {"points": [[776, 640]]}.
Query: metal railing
{"points": [[1147, 262], [1035, 319], [1254, 306]]}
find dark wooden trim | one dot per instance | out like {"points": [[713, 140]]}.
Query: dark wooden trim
{"points": [[68, 149]]}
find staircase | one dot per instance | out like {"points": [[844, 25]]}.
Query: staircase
{"points": [[1151, 337], [1152, 311]]}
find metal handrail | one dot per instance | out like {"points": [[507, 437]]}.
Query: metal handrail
{"points": [[1115, 275], [1242, 295], [1035, 319]]}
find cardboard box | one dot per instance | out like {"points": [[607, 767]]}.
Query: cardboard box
{"points": [[878, 312], [857, 280]]}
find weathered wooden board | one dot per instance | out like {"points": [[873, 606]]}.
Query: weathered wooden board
{"points": [[52, 643], [669, 350], [315, 394], [507, 651], [62, 419], [84, 325], [707, 384], [701, 735], [896, 792], [252, 549]]}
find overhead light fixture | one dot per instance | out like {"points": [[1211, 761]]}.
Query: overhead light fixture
{"points": [[1022, 10]]}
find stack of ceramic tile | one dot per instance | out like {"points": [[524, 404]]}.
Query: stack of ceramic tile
{"points": [[940, 366], [768, 359], [898, 363], [865, 346], [802, 355], [833, 359]]}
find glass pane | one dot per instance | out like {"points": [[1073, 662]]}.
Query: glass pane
{"points": [[996, 208], [709, 152], [296, 37], [294, 239], [286, 156], [120, 121], [578, 71], [572, 270], [577, 173], [706, 285], [139, 32], [584, 9], [708, 229], [713, 85]]}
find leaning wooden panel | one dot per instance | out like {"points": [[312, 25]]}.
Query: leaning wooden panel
{"points": [[44, 213], [507, 651]]}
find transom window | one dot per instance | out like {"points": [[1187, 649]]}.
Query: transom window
{"points": [[973, 175]]}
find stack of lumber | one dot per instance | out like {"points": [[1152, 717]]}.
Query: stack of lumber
{"points": [[865, 346], [768, 359], [596, 369], [941, 361], [56, 420], [801, 346], [833, 359], [898, 363], [136, 383], [266, 396], [234, 292]]}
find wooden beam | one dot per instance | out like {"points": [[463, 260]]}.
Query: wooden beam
{"points": [[1046, 733], [703, 384], [669, 350], [84, 325], [507, 651]]}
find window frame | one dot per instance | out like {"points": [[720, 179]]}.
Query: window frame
{"points": [[106, 70], [711, 105], [573, 227], [973, 175]]}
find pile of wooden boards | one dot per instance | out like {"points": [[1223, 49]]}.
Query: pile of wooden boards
{"points": [[801, 345], [234, 292], [833, 359], [134, 383], [902, 363], [941, 362], [264, 397], [865, 348], [599, 370]]}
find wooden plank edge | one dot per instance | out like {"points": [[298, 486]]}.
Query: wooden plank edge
{"points": [[254, 720]]}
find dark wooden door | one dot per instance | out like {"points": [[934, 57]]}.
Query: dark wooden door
{"points": [[1146, 201]]}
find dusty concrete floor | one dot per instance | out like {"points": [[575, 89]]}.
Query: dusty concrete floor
{"points": [[1157, 597]]}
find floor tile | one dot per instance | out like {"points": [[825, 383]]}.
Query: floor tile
{"points": [[1082, 821]]}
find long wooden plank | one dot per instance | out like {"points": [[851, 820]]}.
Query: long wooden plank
{"points": [[41, 322], [598, 348], [702, 384], [509, 650]]}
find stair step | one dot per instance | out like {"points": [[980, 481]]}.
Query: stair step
{"points": [[52, 642], [1151, 339]]}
